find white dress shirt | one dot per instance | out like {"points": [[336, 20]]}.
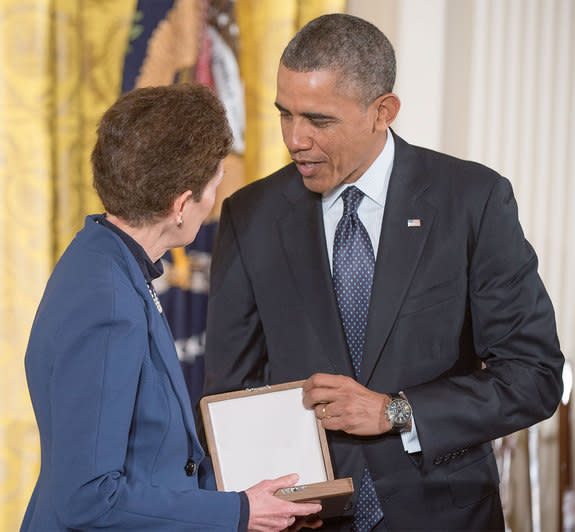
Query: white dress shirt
{"points": [[370, 212]]}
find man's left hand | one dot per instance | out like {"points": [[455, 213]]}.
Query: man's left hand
{"points": [[343, 404]]}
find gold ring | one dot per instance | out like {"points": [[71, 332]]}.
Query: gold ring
{"points": [[323, 412]]}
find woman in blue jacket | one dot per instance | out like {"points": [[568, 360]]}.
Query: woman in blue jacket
{"points": [[119, 446]]}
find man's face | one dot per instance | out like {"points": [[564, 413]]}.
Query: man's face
{"points": [[331, 137]]}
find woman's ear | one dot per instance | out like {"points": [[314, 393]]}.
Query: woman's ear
{"points": [[387, 107], [178, 207]]}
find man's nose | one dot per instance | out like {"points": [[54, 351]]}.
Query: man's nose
{"points": [[297, 137]]}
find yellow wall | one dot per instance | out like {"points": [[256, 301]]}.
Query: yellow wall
{"points": [[60, 67]]}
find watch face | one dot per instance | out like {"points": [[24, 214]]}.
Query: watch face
{"points": [[399, 412]]}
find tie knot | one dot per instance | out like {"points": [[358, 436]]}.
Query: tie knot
{"points": [[351, 197]]}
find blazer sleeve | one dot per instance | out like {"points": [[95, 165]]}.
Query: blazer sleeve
{"points": [[237, 358], [514, 334], [94, 385]]}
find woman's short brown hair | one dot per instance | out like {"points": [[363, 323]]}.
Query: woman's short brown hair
{"points": [[154, 144]]}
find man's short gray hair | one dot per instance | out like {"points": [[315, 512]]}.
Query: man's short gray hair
{"points": [[355, 48]]}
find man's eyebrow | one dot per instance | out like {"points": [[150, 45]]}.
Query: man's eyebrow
{"points": [[318, 116], [311, 116]]}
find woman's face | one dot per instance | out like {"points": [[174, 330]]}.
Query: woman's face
{"points": [[196, 212]]}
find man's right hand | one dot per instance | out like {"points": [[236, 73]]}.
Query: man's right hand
{"points": [[269, 513]]}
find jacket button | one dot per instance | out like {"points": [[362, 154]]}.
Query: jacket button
{"points": [[190, 467]]}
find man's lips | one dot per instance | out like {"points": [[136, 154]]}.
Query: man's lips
{"points": [[307, 168]]}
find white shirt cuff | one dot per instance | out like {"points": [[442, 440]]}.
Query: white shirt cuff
{"points": [[411, 440]]}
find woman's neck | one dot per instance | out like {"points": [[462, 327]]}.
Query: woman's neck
{"points": [[150, 236]]}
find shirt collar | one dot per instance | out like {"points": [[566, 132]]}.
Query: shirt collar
{"points": [[151, 270], [370, 183]]}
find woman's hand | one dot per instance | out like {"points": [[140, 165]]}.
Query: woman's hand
{"points": [[269, 513]]}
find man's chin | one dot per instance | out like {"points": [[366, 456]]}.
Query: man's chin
{"points": [[316, 184]]}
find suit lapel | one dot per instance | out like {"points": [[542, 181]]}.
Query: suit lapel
{"points": [[303, 238], [399, 252]]}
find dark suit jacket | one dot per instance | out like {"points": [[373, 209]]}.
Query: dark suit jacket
{"points": [[115, 419], [459, 320]]}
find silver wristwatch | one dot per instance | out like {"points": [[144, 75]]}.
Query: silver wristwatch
{"points": [[398, 412]]}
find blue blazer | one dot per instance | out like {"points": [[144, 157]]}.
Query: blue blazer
{"points": [[115, 420]]}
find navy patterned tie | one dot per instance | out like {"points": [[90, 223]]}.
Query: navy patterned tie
{"points": [[353, 267]]}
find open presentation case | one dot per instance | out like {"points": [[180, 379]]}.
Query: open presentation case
{"points": [[264, 433]]}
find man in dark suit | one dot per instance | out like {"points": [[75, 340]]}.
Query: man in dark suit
{"points": [[397, 280]]}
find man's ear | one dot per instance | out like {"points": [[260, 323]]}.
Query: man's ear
{"points": [[387, 108]]}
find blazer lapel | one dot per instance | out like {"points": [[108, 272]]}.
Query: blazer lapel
{"points": [[303, 238], [400, 248], [161, 337]]}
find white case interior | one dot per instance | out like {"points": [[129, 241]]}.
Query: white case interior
{"points": [[265, 436]]}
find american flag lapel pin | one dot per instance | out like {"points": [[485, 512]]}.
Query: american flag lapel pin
{"points": [[413, 222]]}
